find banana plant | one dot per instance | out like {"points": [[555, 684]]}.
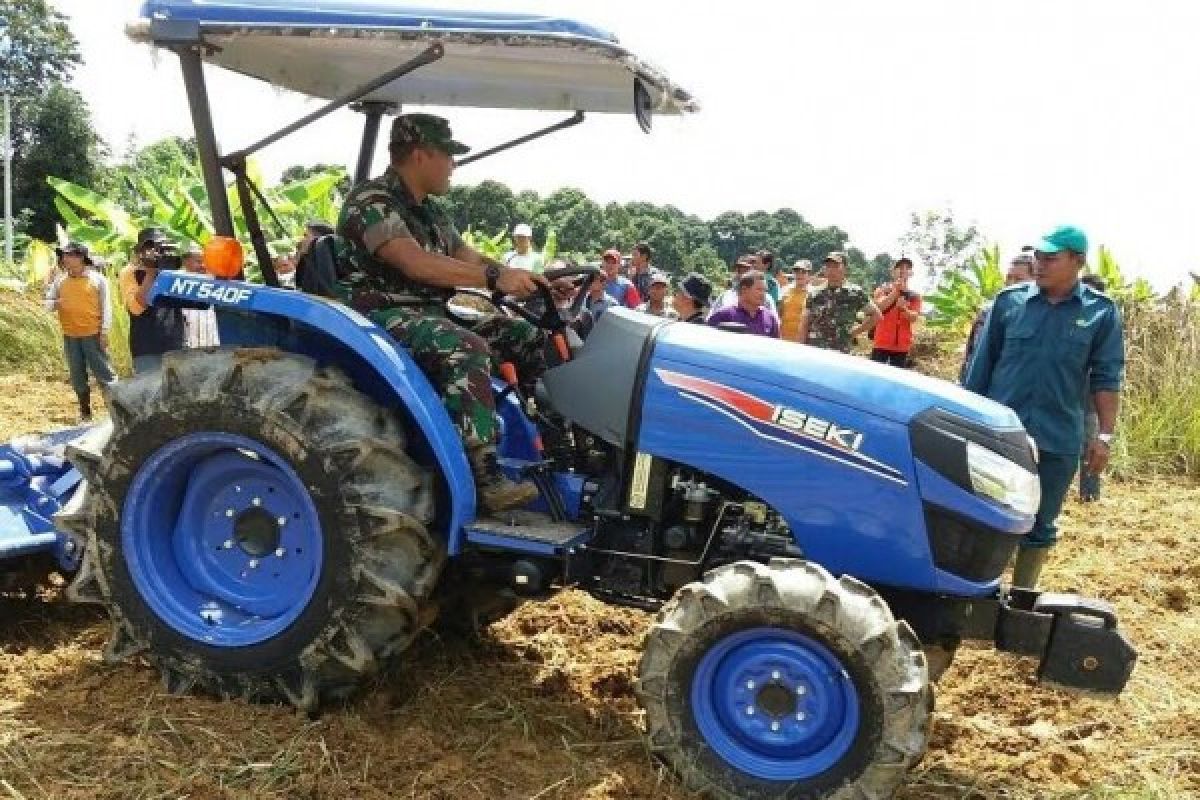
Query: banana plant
{"points": [[182, 211], [961, 293], [33, 268], [1137, 293], [497, 246]]}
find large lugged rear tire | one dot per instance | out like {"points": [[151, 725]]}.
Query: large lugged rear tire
{"points": [[254, 527], [780, 681]]}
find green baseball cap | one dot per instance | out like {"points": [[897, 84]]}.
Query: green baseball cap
{"points": [[1064, 237], [428, 130]]}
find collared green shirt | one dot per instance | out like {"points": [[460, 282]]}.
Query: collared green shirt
{"points": [[1038, 358]]}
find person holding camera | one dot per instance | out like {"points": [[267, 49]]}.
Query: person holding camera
{"points": [[153, 330]]}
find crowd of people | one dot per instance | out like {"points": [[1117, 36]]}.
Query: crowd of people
{"points": [[822, 310], [1049, 346]]}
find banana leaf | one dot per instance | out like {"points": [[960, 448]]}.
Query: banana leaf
{"points": [[307, 190], [95, 205], [39, 261], [76, 228]]}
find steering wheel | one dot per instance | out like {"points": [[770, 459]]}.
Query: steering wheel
{"points": [[590, 274], [551, 319]]}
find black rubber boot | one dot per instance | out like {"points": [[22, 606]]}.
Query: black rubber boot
{"points": [[85, 406], [496, 492]]}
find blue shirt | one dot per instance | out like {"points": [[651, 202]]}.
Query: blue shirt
{"points": [[763, 323], [1038, 358], [619, 289]]}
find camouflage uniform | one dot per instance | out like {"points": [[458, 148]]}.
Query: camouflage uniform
{"points": [[832, 313], [457, 361]]}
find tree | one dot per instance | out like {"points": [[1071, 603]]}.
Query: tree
{"points": [[580, 227], [37, 50], [161, 164], [38, 46], [727, 229], [876, 272], [937, 240], [704, 259], [666, 241], [60, 142], [490, 207], [529, 205]]}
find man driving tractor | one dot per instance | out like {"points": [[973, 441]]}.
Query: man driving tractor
{"points": [[403, 259]]}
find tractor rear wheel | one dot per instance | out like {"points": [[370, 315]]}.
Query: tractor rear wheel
{"points": [[254, 527], [780, 681]]}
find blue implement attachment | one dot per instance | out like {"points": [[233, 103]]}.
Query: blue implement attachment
{"points": [[35, 483]]}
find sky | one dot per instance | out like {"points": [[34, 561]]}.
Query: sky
{"points": [[1018, 115]]}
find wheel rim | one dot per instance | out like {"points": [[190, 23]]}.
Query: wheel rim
{"points": [[775, 704], [222, 539]]}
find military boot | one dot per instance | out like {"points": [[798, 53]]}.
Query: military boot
{"points": [[496, 492]]}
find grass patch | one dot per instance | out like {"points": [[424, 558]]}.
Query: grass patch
{"points": [[1159, 426], [30, 339]]}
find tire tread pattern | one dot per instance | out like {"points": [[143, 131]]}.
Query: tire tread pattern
{"points": [[846, 606], [385, 508]]}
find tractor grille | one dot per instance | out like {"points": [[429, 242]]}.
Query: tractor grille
{"points": [[967, 549]]}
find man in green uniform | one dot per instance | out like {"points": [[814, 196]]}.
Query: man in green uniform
{"points": [[402, 259], [1045, 345], [831, 316]]}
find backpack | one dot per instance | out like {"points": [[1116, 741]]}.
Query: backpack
{"points": [[316, 271]]}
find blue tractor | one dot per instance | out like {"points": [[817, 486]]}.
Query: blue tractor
{"points": [[275, 518]]}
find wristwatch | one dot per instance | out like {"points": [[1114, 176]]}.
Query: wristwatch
{"points": [[492, 274], [1105, 439]]}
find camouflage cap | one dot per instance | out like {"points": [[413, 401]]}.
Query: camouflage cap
{"points": [[428, 130]]}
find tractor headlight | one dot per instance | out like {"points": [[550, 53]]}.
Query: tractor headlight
{"points": [[1002, 480]]}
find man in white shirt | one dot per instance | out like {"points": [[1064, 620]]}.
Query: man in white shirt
{"points": [[523, 256], [199, 324]]}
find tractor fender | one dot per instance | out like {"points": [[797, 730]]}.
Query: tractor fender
{"points": [[333, 334]]}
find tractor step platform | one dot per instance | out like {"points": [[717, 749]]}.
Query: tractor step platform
{"points": [[527, 532]]}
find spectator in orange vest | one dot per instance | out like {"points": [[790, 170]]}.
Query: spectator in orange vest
{"points": [[80, 296], [900, 307]]}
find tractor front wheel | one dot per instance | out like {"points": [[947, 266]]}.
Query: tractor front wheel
{"points": [[255, 527], [780, 681]]}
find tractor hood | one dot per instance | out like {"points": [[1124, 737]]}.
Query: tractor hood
{"points": [[889, 392], [492, 59]]}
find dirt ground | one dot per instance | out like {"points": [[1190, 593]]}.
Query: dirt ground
{"points": [[543, 707]]}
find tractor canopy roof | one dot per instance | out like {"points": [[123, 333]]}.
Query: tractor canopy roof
{"points": [[492, 59]]}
